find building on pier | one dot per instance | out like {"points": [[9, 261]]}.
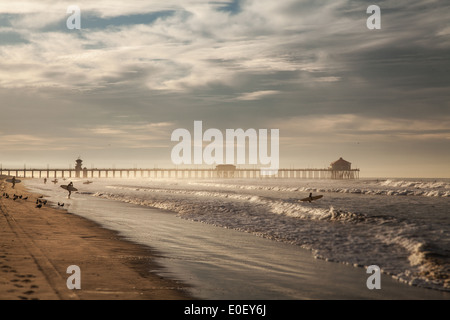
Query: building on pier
{"points": [[340, 164], [225, 171], [342, 169]]}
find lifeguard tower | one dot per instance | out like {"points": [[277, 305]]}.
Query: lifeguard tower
{"points": [[78, 168]]}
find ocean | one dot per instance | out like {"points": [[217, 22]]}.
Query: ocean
{"points": [[400, 225]]}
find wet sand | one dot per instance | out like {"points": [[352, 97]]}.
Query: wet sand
{"points": [[38, 245]]}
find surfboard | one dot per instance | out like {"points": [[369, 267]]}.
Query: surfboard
{"points": [[10, 180], [312, 198], [69, 189]]}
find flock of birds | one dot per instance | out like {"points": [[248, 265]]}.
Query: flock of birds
{"points": [[40, 202], [14, 197]]}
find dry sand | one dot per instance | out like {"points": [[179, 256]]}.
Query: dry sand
{"points": [[38, 245]]}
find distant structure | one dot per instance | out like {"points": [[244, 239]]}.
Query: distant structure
{"points": [[225, 170], [342, 169], [78, 167]]}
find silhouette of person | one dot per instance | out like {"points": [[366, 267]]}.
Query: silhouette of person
{"points": [[13, 182], [69, 188]]}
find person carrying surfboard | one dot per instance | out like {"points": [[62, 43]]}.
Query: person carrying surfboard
{"points": [[311, 198], [13, 181], [69, 188]]}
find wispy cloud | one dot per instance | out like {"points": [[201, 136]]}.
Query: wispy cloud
{"points": [[355, 128], [257, 95], [127, 136], [23, 142]]}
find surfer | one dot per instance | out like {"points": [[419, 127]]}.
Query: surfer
{"points": [[69, 188], [311, 198], [13, 181]]}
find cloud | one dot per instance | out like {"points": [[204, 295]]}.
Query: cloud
{"points": [[137, 68], [257, 95], [127, 136], [345, 128], [199, 46], [180, 51], [24, 142]]}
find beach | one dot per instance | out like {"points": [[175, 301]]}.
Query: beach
{"points": [[127, 249], [38, 245], [228, 241]]}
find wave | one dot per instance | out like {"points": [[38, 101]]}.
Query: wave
{"points": [[291, 208], [333, 235], [416, 184], [390, 188]]}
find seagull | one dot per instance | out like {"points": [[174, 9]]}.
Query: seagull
{"points": [[39, 206]]}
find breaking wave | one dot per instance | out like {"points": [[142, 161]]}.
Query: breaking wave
{"points": [[333, 235], [387, 188]]}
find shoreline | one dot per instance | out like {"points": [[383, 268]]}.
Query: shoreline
{"points": [[313, 279], [38, 245]]}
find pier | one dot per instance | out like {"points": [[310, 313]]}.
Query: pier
{"points": [[161, 173], [339, 169]]}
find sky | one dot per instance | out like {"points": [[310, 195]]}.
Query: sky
{"points": [[113, 91]]}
